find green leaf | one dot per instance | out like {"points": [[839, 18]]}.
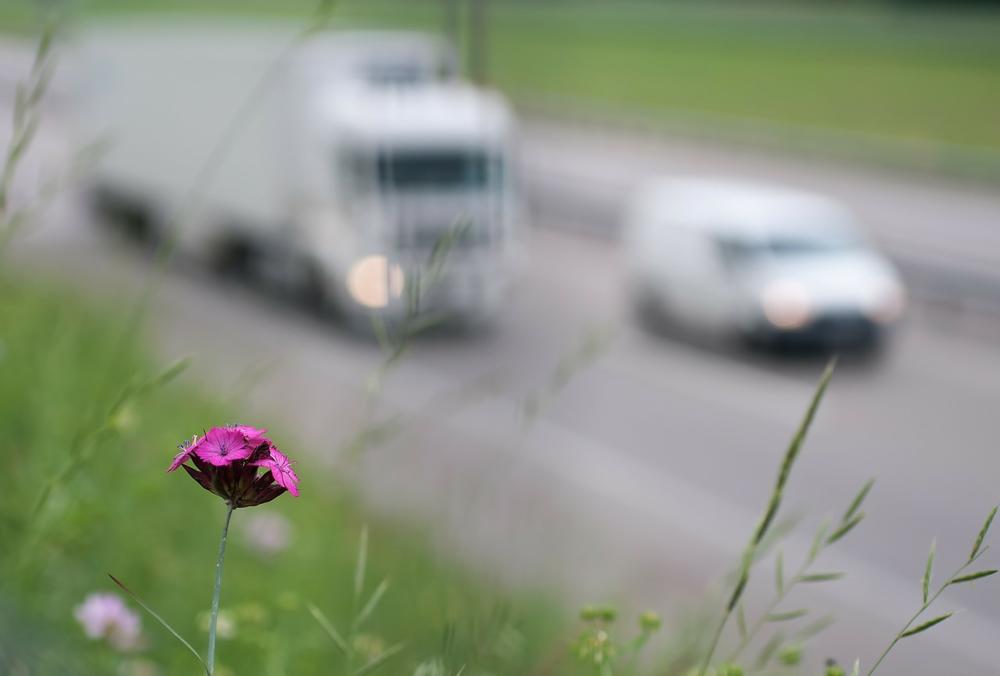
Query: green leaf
{"points": [[785, 617], [372, 603], [821, 577], [159, 619], [928, 569], [982, 534], [973, 576], [378, 660], [329, 628], [845, 528], [779, 573], [858, 499], [926, 625]]}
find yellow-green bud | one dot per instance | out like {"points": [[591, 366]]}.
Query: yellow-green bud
{"points": [[730, 670], [650, 621], [588, 614], [790, 655], [607, 614], [835, 670]]}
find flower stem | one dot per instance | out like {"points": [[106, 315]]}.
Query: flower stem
{"points": [[210, 657]]}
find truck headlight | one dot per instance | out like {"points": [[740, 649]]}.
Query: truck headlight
{"points": [[373, 281], [786, 304]]}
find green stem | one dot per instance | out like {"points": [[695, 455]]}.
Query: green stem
{"points": [[210, 657], [920, 612], [707, 662], [770, 609]]}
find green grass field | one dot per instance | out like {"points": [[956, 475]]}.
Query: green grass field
{"points": [[117, 511], [916, 78]]}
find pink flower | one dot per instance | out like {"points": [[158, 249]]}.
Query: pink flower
{"points": [[222, 446], [281, 468], [105, 616], [254, 436], [227, 461]]}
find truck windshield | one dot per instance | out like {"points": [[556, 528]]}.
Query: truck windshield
{"points": [[430, 170]]}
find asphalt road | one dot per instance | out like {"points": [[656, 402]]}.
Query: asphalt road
{"points": [[641, 479]]}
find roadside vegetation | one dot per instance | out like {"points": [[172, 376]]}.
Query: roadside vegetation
{"points": [[113, 509], [919, 78]]}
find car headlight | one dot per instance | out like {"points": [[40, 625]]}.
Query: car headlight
{"points": [[786, 304], [372, 281]]}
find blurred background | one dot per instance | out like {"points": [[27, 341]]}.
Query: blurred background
{"points": [[538, 289]]}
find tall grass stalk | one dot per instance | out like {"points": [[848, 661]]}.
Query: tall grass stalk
{"points": [[774, 503]]}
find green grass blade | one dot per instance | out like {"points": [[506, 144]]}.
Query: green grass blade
{"points": [[821, 577], [982, 534], [159, 619], [973, 576], [328, 627], [845, 528], [928, 570], [378, 661], [818, 541], [858, 500], [359, 568], [373, 602], [785, 617], [926, 625], [792, 453]]}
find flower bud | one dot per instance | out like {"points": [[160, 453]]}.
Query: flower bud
{"points": [[607, 614], [790, 655], [650, 621]]}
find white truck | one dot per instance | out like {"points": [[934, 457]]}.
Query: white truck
{"points": [[334, 164]]}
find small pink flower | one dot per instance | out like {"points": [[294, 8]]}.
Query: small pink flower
{"points": [[281, 468], [222, 446], [105, 616], [227, 461]]}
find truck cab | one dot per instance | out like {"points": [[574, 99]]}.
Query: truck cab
{"points": [[397, 172]]}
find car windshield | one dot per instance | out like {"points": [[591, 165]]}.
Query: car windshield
{"points": [[401, 74], [739, 252], [436, 169]]}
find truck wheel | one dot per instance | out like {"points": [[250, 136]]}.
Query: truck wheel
{"points": [[235, 258], [128, 214]]}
